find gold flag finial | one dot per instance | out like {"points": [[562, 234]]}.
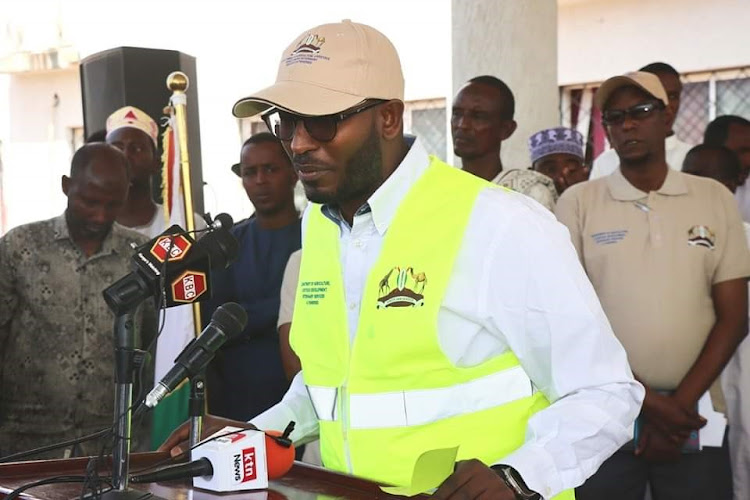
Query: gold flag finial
{"points": [[177, 81]]}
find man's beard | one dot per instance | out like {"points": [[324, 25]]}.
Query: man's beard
{"points": [[363, 174]]}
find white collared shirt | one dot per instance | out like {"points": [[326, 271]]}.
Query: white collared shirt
{"points": [[517, 283], [675, 151], [742, 195]]}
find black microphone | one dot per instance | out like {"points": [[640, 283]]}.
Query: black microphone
{"points": [[188, 264], [227, 322], [222, 221], [195, 468]]}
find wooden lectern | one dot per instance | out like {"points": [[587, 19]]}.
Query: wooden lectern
{"points": [[303, 482]]}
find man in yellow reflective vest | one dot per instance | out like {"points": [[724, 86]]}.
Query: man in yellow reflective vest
{"points": [[434, 309]]}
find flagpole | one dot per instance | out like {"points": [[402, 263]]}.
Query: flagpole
{"points": [[178, 83]]}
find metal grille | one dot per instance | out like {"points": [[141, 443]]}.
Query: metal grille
{"points": [[693, 116], [733, 96], [704, 97], [429, 124]]}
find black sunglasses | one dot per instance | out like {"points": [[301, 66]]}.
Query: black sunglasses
{"points": [[639, 112], [321, 128]]}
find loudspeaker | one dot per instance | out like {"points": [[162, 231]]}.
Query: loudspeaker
{"points": [[131, 76]]}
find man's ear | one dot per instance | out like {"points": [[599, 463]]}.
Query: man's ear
{"points": [[507, 128], [391, 119], [65, 182], [669, 118]]}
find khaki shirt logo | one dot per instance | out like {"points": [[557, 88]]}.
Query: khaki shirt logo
{"points": [[702, 236]]}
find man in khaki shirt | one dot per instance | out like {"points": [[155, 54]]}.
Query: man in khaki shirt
{"points": [[666, 253]]}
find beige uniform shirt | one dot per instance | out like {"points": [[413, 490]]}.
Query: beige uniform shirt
{"points": [[653, 259]]}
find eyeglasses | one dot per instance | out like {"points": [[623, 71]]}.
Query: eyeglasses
{"points": [[639, 112], [321, 128]]}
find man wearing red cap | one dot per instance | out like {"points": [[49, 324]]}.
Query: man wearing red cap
{"points": [[412, 332]]}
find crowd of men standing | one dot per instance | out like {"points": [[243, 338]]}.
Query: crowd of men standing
{"points": [[657, 226]]}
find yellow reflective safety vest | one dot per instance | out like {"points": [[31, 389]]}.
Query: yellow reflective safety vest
{"points": [[392, 394]]}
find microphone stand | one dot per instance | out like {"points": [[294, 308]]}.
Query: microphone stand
{"points": [[197, 403], [125, 352]]}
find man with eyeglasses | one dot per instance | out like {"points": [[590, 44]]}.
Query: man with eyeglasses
{"points": [[667, 255], [675, 149], [413, 332], [267, 239]]}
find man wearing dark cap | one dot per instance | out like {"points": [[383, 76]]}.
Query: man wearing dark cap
{"points": [[558, 154], [413, 332], [667, 255], [56, 354]]}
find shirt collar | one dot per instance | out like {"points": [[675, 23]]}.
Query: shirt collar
{"points": [[61, 232], [384, 202], [60, 228], [622, 190]]}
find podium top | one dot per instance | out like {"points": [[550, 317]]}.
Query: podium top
{"points": [[303, 482]]}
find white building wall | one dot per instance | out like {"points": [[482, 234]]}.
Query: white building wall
{"points": [[41, 110], [602, 38]]}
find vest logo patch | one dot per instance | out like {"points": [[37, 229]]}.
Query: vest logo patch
{"points": [[399, 286], [702, 236]]}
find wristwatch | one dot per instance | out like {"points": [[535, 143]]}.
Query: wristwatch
{"points": [[513, 480]]}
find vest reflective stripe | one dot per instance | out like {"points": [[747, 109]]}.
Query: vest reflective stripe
{"points": [[408, 408], [324, 400]]}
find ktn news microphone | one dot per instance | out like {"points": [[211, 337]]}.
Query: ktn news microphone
{"points": [[232, 459], [180, 262], [227, 322]]}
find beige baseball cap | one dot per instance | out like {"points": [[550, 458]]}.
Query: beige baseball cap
{"points": [[328, 69], [647, 82], [132, 117]]}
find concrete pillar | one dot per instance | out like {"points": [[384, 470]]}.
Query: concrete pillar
{"points": [[516, 41]]}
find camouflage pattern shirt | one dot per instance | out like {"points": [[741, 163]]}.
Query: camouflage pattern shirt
{"points": [[56, 335]]}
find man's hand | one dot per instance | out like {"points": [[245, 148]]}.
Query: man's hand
{"points": [[655, 446], [670, 416], [472, 479], [177, 442]]}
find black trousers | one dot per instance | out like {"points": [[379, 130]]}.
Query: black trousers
{"points": [[706, 475]]}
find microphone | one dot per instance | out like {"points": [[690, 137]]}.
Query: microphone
{"points": [[187, 263], [222, 221], [195, 468], [245, 459], [227, 322]]}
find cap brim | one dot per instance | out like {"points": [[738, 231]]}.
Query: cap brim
{"points": [[608, 88], [297, 97]]}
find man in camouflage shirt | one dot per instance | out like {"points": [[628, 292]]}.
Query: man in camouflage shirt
{"points": [[56, 332]]}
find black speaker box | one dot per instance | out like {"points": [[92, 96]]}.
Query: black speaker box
{"points": [[131, 76]]}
